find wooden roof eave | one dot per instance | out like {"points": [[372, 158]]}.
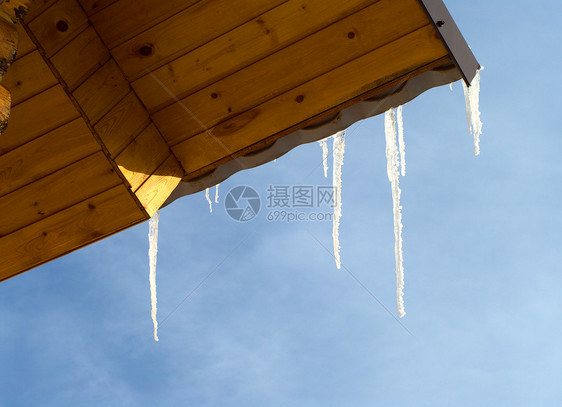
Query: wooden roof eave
{"points": [[451, 36], [97, 126], [460, 64], [325, 126]]}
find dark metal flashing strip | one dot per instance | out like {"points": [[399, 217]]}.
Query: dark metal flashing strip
{"points": [[452, 38]]}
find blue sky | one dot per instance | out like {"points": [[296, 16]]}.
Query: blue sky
{"points": [[277, 324]]}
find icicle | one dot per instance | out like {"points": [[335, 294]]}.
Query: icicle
{"points": [[393, 176], [217, 193], [324, 146], [152, 251], [401, 142], [472, 100], [451, 86], [209, 200], [339, 148]]}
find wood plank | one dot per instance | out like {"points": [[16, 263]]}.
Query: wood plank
{"points": [[240, 47], [57, 191], [49, 109], [124, 19], [44, 155], [93, 6], [80, 58], [314, 121], [312, 98], [66, 231], [122, 124], [142, 157], [58, 25], [5, 107], [8, 43], [27, 77], [14, 9], [370, 28], [37, 7], [154, 192], [101, 91], [184, 32], [25, 45]]}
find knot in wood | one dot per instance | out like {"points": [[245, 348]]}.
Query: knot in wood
{"points": [[62, 26], [146, 50]]}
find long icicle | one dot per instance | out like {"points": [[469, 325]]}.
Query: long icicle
{"points": [[217, 193], [401, 142], [339, 148], [393, 176], [152, 254], [472, 100], [324, 146], [209, 200]]}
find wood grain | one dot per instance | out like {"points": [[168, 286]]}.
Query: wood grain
{"points": [[14, 9], [94, 6], [369, 29], [68, 230], [142, 157], [154, 192], [184, 32], [27, 77], [25, 45], [80, 58], [5, 107], [8, 43], [58, 25], [46, 154], [241, 47], [312, 98], [122, 124], [101, 91], [37, 7], [57, 191], [49, 109], [134, 16]]}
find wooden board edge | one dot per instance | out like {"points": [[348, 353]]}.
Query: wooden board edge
{"points": [[143, 217], [334, 110]]}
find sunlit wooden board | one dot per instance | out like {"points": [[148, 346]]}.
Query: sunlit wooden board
{"points": [[115, 102]]}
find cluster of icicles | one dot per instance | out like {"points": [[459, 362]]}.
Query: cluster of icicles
{"points": [[395, 156], [396, 167]]}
